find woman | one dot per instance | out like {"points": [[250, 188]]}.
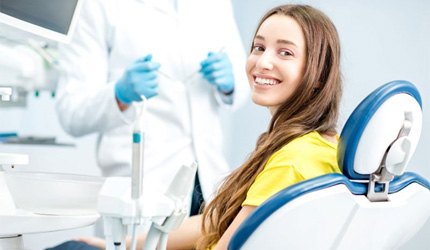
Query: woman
{"points": [[294, 70]]}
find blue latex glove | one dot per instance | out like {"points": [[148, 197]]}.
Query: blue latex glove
{"points": [[139, 79], [217, 70]]}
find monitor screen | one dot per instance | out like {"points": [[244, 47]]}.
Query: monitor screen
{"points": [[53, 19]]}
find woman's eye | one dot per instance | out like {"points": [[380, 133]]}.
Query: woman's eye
{"points": [[285, 53], [258, 48]]}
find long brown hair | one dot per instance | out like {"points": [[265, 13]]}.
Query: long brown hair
{"points": [[313, 107]]}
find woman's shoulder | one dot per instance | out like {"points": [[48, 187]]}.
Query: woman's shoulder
{"points": [[309, 140], [305, 151], [304, 147]]}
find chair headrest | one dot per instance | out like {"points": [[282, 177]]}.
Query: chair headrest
{"points": [[383, 129]]}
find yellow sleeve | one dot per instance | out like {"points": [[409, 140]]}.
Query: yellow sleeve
{"points": [[278, 174]]}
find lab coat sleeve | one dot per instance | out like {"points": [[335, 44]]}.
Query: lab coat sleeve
{"points": [[86, 101], [236, 52]]}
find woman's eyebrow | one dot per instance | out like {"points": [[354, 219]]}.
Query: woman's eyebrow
{"points": [[284, 41], [280, 41], [259, 37]]}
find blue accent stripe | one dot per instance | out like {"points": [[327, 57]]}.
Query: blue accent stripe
{"points": [[7, 135], [10, 134], [358, 120], [400, 182], [137, 137], [262, 212]]}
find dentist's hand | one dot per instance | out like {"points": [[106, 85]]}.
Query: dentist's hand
{"points": [[217, 70], [139, 79]]}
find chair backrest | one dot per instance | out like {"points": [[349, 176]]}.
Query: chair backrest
{"points": [[375, 204]]}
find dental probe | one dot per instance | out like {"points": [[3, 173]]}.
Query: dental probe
{"points": [[190, 75], [198, 71]]}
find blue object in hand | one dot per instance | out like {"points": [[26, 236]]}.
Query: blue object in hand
{"points": [[140, 79], [217, 70]]}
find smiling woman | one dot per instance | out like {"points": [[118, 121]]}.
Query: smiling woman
{"points": [[276, 64], [294, 70]]}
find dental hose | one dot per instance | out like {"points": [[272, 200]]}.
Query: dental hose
{"points": [[133, 243]]}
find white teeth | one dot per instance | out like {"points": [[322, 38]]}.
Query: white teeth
{"points": [[265, 81]]}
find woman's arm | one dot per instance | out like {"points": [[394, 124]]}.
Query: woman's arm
{"points": [[183, 238], [240, 217], [186, 236]]}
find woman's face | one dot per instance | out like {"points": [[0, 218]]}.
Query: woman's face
{"points": [[276, 64]]}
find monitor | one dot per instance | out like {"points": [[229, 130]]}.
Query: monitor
{"points": [[52, 19]]}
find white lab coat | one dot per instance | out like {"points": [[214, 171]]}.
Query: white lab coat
{"points": [[182, 122]]}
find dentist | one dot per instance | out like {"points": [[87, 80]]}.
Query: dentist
{"points": [[185, 57]]}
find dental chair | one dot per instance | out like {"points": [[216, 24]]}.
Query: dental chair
{"points": [[374, 204]]}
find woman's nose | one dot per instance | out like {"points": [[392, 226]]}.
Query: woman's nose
{"points": [[265, 61]]}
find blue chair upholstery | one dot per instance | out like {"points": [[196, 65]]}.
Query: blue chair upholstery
{"points": [[374, 204]]}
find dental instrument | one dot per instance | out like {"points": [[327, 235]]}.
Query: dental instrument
{"points": [[122, 200], [45, 54], [165, 75], [188, 77], [137, 167]]}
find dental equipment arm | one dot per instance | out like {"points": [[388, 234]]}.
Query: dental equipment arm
{"points": [[165, 211], [116, 226], [123, 202], [177, 191]]}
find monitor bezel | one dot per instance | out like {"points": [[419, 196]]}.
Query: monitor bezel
{"points": [[41, 31]]}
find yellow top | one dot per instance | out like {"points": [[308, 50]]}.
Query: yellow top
{"points": [[303, 158]]}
